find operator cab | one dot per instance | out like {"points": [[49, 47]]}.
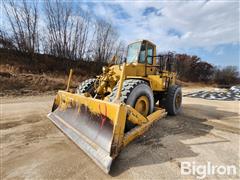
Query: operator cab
{"points": [[142, 52]]}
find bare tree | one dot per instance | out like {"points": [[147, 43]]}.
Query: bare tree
{"points": [[105, 41], [6, 41], [23, 21], [70, 32], [120, 51], [67, 30], [80, 36], [58, 21], [228, 75]]}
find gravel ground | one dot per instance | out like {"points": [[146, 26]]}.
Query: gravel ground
{"points": [[33, 148]]}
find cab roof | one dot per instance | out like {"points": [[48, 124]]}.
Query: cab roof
{"points": [[144, 41]]}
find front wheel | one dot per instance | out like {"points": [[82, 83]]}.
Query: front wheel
{"points": [[138, 94], [86, 86]]}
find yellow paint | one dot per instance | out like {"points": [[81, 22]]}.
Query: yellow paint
{"points": [[69, 79], [135, 117], [118, 112], [121, 83], [142, 105], [69, 100], [136, 132]]}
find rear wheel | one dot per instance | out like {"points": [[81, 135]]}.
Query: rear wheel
{"points": [[137, 94], [172, 101], [86, 86]]}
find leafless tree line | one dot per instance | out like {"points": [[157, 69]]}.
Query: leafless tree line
{"points": [[58, 29], [23, 22]]}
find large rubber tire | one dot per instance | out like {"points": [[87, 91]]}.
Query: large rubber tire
{"points": [[173, 100], [133, 89], [86, 86]]}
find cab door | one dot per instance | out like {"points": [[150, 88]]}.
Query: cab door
{"points": [[149, 61], [146, 59]]}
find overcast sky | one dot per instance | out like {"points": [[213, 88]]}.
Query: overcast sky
{"points": [[209, 29]]}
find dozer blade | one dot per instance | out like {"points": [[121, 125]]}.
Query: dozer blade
{"points": [[89, 123]]}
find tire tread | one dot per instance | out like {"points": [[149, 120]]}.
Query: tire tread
{"points": [[128, 86], [85, 85]]}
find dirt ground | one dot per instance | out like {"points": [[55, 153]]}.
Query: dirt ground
{"points": [[32, 147]]}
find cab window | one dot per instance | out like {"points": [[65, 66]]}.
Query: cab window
{"points": [[142, 54], [150, 53], [133, 52]]}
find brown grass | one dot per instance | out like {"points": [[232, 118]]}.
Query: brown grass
{"points": [[19, 84], [21, 74]]}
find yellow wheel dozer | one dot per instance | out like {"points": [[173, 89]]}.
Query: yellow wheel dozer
{"points": [[107, 113]]}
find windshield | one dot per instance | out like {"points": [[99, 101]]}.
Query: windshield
{"points": [[133, 52]]}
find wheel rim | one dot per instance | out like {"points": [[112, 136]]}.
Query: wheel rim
{"points": [[178, 100], [142, 105]]}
